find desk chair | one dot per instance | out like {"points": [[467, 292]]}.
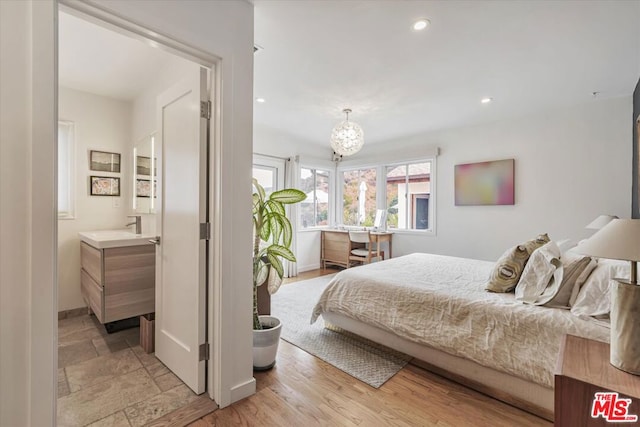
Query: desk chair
{"points": [[362, 248]]}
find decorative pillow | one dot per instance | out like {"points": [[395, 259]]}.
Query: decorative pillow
{"points": [[594, 299], [508, 269], [542, 271], [580, 281], [573, 276]]}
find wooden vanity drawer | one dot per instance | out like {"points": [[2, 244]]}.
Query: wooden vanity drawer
{"points": [[92, 294], [91, 261]]}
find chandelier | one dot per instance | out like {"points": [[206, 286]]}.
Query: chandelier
{"points": [[347, 137]]}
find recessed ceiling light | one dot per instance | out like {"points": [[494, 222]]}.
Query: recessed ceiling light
{"points": [[260, 100], [421, 24], [486, 100]]}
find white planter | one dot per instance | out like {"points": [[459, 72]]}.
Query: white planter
{"points": [[265, 343]]}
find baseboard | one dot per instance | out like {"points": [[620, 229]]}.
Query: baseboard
{"points": [[74, 312], [243, 390], [308, 267]]}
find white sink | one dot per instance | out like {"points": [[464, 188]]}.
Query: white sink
{"points": [[103, 239]]}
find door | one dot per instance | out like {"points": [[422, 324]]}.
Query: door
{"points": [[181, 255]]}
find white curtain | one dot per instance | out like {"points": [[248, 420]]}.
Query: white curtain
{"points": [[291, 180]]}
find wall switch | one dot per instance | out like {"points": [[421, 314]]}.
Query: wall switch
{"points": [[116, 202]]}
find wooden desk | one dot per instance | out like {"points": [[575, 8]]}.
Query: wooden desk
{"points": [[336, 246], [584, 369]]}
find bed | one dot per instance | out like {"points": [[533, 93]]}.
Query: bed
{"points": [[435, 309]]}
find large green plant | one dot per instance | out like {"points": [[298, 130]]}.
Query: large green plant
{"points": [[272, 234]]}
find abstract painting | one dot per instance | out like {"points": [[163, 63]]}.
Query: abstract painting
{"points": [[485, 183]]}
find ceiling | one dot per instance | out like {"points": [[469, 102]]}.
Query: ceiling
{"points": [[322, 56], [319, 57], [97, 60]]}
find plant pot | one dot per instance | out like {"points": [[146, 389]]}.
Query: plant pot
{"points": [[265, 343]]}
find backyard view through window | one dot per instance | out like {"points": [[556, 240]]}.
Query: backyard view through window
{"points": [[314, 210], [359, 197], [408, 196]]}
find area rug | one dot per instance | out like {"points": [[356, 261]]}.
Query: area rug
{"points": [[367, 361]]}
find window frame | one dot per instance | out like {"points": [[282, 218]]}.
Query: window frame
{"points": [[431, 231], [340, 190], [381, 191], [71, 175], [331, 198]]}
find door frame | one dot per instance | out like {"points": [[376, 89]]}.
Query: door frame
{"points": [[105, 18]]}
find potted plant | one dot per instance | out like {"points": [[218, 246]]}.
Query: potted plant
{"points": [[272, 234]]}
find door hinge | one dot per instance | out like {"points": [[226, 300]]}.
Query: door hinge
{"points": [[205, 230], [204, 351], [205, 109]]}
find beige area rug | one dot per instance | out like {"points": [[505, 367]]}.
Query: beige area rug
{"points": [[367, 361]]}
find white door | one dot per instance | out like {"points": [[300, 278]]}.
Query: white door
{"points": [[180, 256]]}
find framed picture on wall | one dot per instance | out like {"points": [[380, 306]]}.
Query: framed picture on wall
{"points": [[103, 161], [143, 165], [485, 183], [104, 186], [143, 188]]}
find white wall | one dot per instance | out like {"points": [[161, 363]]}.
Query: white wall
{"points": [[103, 124], [28, 122], [571, 166], [28, 115]]}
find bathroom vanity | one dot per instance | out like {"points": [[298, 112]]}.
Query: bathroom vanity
{"points": [[117, 274]]}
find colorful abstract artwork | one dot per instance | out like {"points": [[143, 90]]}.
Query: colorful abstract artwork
{"points": [[104, 186], [485, 183]]}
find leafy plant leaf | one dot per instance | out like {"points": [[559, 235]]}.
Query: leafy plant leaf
{"points": [[259, 188], [275, 262], [281, 251], [262, 274], [274, 206], [288, 196]]}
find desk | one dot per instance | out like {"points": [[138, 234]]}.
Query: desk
{"points": [[584, 369], [336, 246]]}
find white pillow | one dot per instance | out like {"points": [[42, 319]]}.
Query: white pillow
{"points": [[594, 299], [566, 244], [542, 270]]}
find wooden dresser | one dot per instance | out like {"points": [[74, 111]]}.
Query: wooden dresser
{"points": [[336, 246], [584, 370]]}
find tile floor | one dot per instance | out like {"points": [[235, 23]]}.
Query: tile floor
{"points": [[108, 380]]}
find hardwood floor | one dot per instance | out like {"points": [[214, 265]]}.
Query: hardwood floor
{"points": [[306, 275], [302, 390]]}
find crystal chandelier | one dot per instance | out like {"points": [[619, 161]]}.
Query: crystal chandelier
{"points": [[347, 137]]}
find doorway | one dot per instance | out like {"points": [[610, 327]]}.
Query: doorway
{"points": [[109, 84]]}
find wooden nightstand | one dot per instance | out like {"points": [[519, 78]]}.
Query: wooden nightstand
{"points": [[583, 370]]}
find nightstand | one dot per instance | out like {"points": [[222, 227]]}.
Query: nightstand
{"points": [[583, 370]]}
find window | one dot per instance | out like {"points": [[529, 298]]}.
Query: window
{"points": [[409, 204], [66, 168], [314, 210], [359, 197]]}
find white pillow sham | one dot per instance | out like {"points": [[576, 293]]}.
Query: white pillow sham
{"points": [[594, 299], [542, 271]]}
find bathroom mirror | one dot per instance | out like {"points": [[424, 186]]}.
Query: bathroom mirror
{"points": [[144, 175]]}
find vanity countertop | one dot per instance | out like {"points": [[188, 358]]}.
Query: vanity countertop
{"points": [[103, 239]]}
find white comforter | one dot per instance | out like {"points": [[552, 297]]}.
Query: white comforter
{"points": [[440, 301]]}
